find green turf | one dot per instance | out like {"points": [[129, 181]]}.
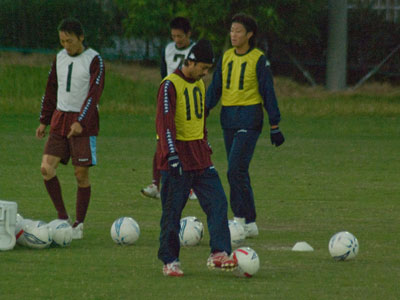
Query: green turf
{"points": [[336, 171]]}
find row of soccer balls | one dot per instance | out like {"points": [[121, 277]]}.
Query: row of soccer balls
{"points": [[342, 245], [40, 235], [126, 231]]}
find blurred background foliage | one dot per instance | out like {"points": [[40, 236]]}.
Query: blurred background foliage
{"points": [[139, 29]]}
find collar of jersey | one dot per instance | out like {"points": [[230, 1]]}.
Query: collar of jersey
{"points": [[248, 51]]}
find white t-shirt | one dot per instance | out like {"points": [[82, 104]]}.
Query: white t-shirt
{"points": [[73, 77], [174, 56]]}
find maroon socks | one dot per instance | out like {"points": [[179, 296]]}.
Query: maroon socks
{"points": [[82, 203], [82, 200], [54, 189]]}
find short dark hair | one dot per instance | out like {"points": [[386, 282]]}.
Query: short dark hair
{"points": [[71, 25], [249, 23], [180, 23]]}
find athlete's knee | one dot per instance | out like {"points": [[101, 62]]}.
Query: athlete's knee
{"points": [[235, 173], [47, 171], [82, 177]]}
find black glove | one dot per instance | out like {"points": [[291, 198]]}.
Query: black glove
{"points": [[277, 137], [174, 166]]}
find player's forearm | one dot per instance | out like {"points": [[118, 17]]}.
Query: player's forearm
{"points": [[49, 99], [167, 135], [165, 121]]}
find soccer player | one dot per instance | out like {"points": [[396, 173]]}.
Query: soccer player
{"points": [[172, 58], [185, 161], [69, 106], [243, 82]]}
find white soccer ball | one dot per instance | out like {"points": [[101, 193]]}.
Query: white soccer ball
{"points": [[61, 232], [125, 231], [37, 235], [191, 231], [343, 246], [237, 233], [247, 260]]}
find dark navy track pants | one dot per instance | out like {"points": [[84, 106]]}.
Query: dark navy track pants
{"points": [[240, 145], [174, 195]]}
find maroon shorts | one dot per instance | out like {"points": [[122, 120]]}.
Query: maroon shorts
{"points": [[81, 149]]}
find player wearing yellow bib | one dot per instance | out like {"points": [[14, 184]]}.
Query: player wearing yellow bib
{"points": [[185, 162], [243, 82]]}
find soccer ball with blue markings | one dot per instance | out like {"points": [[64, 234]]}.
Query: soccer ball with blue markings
{"points": [[343, 246], [61, 232], [37, 235], [125, 231], [248, 262], [191, 232]]}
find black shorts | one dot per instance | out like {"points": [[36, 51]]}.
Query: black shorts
{"points": [[81, 149]]}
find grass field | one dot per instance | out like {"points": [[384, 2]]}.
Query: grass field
{"points": [[338, 170]]}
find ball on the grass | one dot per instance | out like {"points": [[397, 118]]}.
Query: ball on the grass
{"points": [[37, 235], [61, 232], [343, 246], [125, 231], [191, 231], [247, 260]]}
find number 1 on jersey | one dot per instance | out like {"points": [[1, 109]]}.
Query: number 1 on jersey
{"points": [[241, 78], [69, 76]]}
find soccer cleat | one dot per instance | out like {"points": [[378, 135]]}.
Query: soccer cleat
{"points": [[251, 229], [173, 269], [151, 191], [222, 261], [77, 232], [192, 195]]}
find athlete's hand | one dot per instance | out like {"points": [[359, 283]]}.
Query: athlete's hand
{"points": [[76, 129], [209, 146], [41, 131], [174, 166], [277, 138]]}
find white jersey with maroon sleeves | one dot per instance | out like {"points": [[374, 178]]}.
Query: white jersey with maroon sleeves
{"points": [[73, 92], [73, 78]]}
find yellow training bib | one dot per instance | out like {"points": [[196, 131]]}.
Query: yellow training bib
{"points": [[189, 115], [239, 78]]}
